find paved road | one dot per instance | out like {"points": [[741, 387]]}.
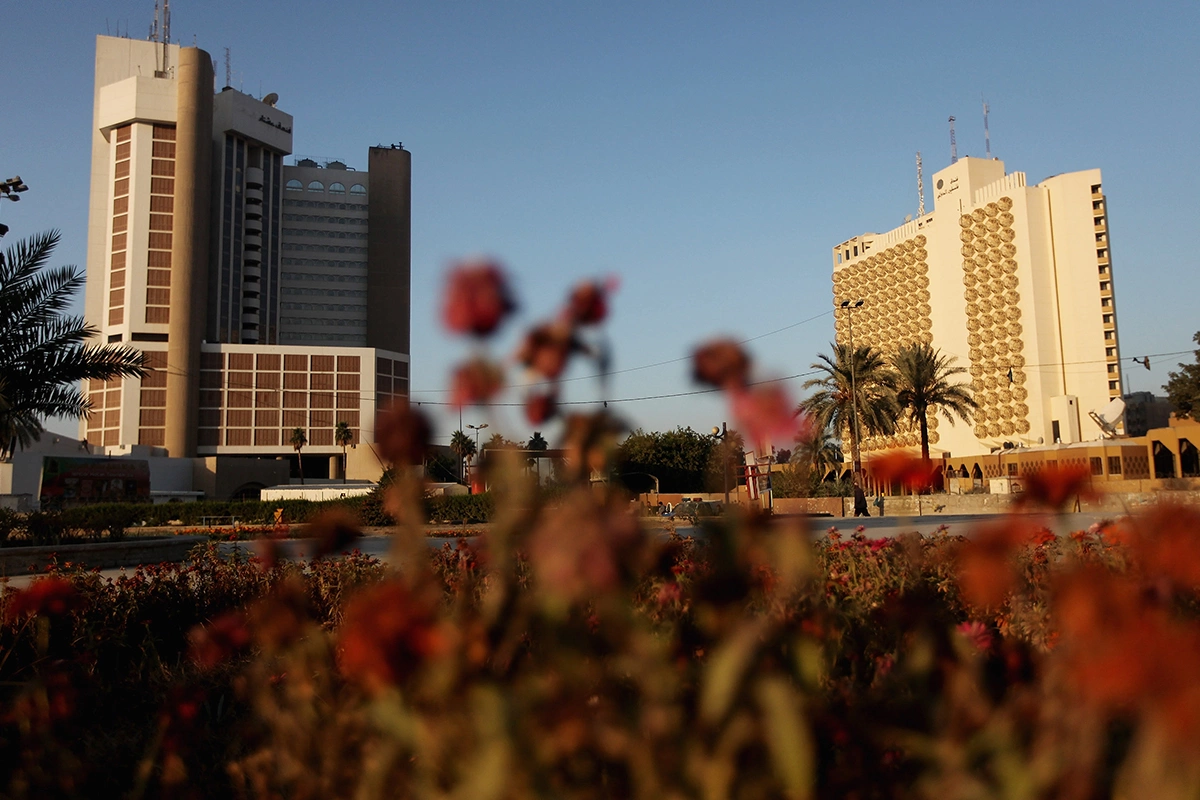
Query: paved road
{"points": [[873, 528]]}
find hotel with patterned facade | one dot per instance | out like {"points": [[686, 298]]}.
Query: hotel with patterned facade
{"points": [[266, 296], [1015, 281]]}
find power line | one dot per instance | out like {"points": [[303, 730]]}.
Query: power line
{"points": [[642, 367]]}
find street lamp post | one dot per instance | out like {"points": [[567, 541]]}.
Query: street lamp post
{"points": [[724, 459], [856, 454], [477, 429]]}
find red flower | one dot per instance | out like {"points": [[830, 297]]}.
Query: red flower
{"points": [[219, 640], [721, 363], [1054, 487], [49, 596], [765, 412], [541, 407], [588, 302], [387, 635], [547, 347], [477, 298], [403, 435], [475, 382]]}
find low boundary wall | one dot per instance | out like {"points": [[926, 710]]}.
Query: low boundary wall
{"points": [[101, 555]]}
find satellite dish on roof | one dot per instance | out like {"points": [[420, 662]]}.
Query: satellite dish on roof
{"points": [[271, 99], [1108, 417]]}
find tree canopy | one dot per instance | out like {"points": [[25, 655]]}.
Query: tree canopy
{"points": [[925, 382], [44, 352], [1183, 387]]}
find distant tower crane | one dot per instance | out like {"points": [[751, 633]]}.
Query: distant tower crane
{"points": [[920, 188], [987, 136], [953, 144]]}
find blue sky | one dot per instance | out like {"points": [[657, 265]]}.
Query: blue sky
{"points": [[710, 154]]}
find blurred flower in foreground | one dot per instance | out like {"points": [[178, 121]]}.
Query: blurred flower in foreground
{"points": [[541, 407], [909, 471], [475, 382], [404, 435], [387, 635], [219, 640], [588, 302], [49, 596], [766, 412], [1054, 487], [477, 298], [332, 532], [977, 634], [547, 347], [721, 363]]}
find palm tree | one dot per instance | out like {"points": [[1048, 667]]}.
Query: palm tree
{"points": [[834, 405], [342, 436], [463, 447], [44, 354], [819, 451], [538, 443], [297, 442], [925, 382]]}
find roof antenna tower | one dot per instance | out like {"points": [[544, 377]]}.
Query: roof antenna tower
{"points": [[987, 136], [920, 188], [228, 70], [953, 144]]}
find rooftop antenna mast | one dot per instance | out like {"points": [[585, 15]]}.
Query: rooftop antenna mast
{"points": [[953, 144], [920, 188], [228, 70], [987, 136], [166, 31]]}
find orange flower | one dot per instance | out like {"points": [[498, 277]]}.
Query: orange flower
{"points": [[1054, 487], [985, 566], [1168, 544], [477, 298]]}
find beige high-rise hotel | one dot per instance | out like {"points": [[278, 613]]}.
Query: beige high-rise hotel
{"points": [[267, 296], [1013, 280]]}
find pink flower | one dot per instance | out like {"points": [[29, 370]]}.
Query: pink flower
{"points": [[977, 634], [546, 348], [477, 298], [765, 412]]}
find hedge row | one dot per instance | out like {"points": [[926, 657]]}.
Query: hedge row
{"points": [[111, 519]]}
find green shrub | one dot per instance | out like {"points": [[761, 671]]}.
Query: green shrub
{"points": [[460, 509]]}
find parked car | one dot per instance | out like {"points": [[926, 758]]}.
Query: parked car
{"points": [[692, 510]]}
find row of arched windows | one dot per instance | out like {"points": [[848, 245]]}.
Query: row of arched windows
{"points": [[316, 186]]}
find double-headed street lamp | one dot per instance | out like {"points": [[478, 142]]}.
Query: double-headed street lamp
{"points": [[10, 190], [477, 429]]}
